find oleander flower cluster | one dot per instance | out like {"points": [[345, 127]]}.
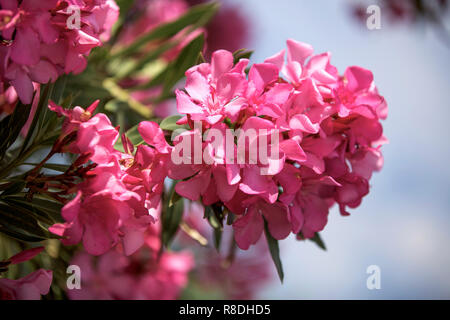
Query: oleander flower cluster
{"points": [[329, 133], [40, 42], [121, 196]]}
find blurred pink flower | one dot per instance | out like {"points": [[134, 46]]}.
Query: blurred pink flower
{"points": [[141, 276], [30, 287]]}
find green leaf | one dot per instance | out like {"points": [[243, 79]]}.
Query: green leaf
{"points": [[157, 80], [174, 198], [123, 95], [215, 219], [11, 126], [170, 123], [171, 216], [217, 238], [171, 220], [15, 187], [19, 221], [51, 166], [198, 16], [242, 54], [19, 234], [230, 218], [139, 64], [26, 209], [42, 206], [134, 136], [124, 6], [58, 89], [37, 118], [318, 240], [186, 59], [274, 251]]}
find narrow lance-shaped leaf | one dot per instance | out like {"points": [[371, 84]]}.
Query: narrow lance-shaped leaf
{"points": [[318, 240], [186, 59], [242, 54], [37, 117], [170, 123], [51, 166], [124, 96], [18, 221], [11, 126], [215, 219], [198, 15], [14, 188], [171, 217], [274, 251], [217, 238], [50, 208]]}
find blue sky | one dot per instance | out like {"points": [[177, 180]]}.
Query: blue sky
{"points": [[402, 225]]}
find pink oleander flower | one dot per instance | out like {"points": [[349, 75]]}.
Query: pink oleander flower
{"points": [[141, 276], [327, 129], [215, 90], [30, 287], [39, 45], [95, 134], [121, 196]]}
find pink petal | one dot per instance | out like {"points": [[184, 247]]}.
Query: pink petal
{"points": [[23, 86], [276, 215], [248, 229], [298, 51], [153, 135], [25, 48], [262, 74], [185, 104], [25, 255], [225, 191], [277, 59], [292, 150], [44, 72], [358, 78], [221, 62], [230, 86], [197, 86], [303, 123], [193, 188]]}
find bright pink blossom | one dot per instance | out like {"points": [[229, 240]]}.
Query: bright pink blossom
{"points": [[39, 45], [215, 90], [121, 196], [329, 138]]}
